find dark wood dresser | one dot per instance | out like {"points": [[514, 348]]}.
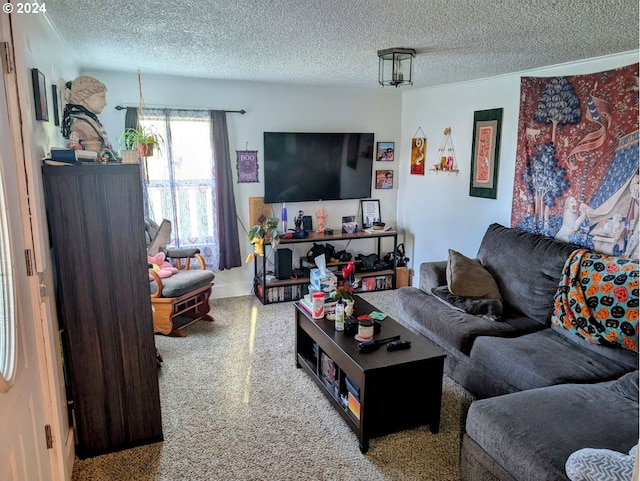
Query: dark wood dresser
{"points": [[96, 225]]}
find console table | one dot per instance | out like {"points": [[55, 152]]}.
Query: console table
{"points": [[397, 390], [293, 289]]}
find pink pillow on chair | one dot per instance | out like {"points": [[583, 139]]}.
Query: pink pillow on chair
{"points": [[163, 268]]}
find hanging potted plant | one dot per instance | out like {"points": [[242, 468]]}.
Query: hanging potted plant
{"points": [[143, 139]]}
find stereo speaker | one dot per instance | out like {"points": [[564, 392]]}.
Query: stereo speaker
{"points": [[284, 263]]}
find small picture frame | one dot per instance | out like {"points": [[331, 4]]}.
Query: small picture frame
{"points": [[370, 209], [385, 151], [40, 95], [349, 224], [487, 125], [384, 179], [55, 97]]}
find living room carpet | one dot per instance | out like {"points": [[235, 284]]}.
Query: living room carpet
{"points": [[234, 407]]}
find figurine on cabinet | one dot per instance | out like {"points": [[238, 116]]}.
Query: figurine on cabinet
{"points": [[86, 97]]}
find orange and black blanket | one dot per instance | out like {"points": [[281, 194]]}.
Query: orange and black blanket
{"points": [[597, 299]]}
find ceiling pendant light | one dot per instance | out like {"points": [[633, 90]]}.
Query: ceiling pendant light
{"points": [[395, 66]]}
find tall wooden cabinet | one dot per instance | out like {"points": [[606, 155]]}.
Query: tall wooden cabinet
{"points": [[96, 224]]}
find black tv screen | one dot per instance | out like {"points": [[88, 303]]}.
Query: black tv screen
{"points": [[300, 166]]}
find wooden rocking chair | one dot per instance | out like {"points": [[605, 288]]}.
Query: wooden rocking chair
{"points": [[183, 298]]}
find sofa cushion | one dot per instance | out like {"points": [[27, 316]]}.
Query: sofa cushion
{"points": [[627, 386], [183, 282], [450, 328], [532, 433], [543, 358], [432, 274], [597, 299], [478, 306], [467, 278], [526, 267]]}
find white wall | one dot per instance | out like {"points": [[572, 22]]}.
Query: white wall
{"points": [[270, 107], [38, 46], [43, 49], [436, 210]]}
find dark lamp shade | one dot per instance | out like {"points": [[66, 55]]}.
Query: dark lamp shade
{"points": [[396, 66]]}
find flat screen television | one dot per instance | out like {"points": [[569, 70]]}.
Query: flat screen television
{"points": [[301, 166]]}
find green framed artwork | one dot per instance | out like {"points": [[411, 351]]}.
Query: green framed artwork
{"points": [[485, 153]]}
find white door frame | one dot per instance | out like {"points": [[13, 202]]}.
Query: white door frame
{"points": [[40, 295]]}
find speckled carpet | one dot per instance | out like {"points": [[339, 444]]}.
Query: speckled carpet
{"points": [[234, 407]]}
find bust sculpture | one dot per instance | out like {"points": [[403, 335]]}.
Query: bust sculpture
{"points": [[86, 97]]}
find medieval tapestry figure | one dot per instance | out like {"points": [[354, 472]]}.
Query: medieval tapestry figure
{"points": [[576, 175]]}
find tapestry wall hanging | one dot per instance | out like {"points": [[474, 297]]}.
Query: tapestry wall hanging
{"points": [[576, 176], [247, 165]]}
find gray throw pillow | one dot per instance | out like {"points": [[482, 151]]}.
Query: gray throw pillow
{"points": [[490, 308], [467, 278]]}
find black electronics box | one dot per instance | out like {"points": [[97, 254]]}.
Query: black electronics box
{"points": [[284, 264], [306, 223]]}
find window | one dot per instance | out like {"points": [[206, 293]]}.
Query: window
{"points": [[180, 180], [7, 300]]}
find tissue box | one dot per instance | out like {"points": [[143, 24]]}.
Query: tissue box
{"points": [[323, 282]]}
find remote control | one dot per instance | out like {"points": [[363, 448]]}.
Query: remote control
{"points": [[398, 345]]}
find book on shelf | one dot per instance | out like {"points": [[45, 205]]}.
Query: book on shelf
{"points": [[306, 304], [353, 404], [352, 388], [328, 369], [72, 156]]}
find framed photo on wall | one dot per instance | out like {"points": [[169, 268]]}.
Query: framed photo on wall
{"points": [[385, 150], [370, 209], [40, 95], [55, 98], [384, 179], [485, 153]]}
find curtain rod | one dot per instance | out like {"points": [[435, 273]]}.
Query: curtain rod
{"points": [[241, 112]]}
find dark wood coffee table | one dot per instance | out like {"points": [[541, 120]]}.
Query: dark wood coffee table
{"points": [[397, 390]]}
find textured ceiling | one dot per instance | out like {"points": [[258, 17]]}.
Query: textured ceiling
{"points": [[334, 42]]}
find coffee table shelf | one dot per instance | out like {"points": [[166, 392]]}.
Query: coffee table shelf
{"points": [[397, 390]]}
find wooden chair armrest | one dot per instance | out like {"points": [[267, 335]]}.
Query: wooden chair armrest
{"points": [[200, 260], [158, 280]]}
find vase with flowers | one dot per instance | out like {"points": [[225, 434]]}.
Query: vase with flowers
{"points": [[345, 292]]}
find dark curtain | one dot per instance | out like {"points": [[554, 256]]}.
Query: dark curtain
{"points": [[131, 118], [227, 229]]}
